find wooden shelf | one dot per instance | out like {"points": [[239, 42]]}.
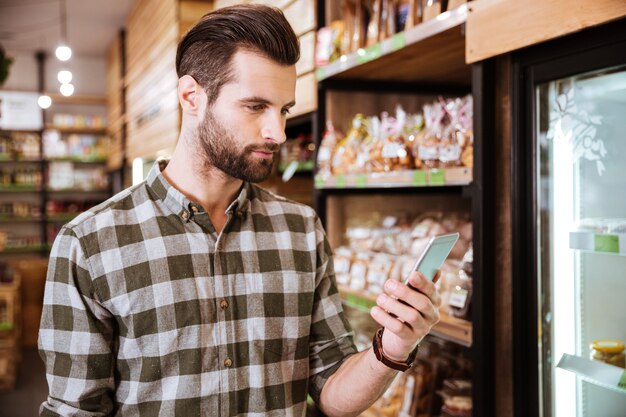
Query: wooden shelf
{"points": [[17, 219], [398, 179], [78, 190], [449, 328], [19, 189], [23, 249], [79, 160], [87, 100], [19, 161], [612, 243], [432, 52], [59, 218], [78, 130]]}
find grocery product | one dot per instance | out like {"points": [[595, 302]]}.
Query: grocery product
{"points": [[441, 137], [608, 351]]}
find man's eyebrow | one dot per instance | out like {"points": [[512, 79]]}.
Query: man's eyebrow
{"points": [[261, 100]]}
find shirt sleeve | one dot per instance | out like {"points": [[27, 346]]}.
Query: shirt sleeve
{"points": [[332, 338], [76, 336]]}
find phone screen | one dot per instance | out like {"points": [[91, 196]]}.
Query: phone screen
{"points": [[436, 252]]}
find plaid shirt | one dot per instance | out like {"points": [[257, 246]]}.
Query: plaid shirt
{"points": [[149, 312]]}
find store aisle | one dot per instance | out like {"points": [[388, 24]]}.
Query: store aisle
{"points": [[30, 389]]}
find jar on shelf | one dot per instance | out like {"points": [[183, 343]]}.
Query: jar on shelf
{"points": [[608, 351]]}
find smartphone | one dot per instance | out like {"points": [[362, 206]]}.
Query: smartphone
{"points": [[437, 250]]}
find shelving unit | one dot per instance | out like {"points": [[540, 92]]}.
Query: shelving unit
{"points": [[613, 243], [427, 60], [24, 229]]}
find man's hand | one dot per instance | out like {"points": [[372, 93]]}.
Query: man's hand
{"points": [[413, 320]]}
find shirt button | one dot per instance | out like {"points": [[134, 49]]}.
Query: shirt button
{"points": [[223, 304], [185, 215], [228, 363]]}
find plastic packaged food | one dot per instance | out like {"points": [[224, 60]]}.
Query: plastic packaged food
{"points": [[608, 351], [325, 151]]}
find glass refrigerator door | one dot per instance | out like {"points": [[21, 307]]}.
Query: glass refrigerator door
{"points": [[581, 167]]}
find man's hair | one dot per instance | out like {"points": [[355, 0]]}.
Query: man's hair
{"points": [[206, 51]]}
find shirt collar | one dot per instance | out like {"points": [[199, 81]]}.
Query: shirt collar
{"points": [[181, 205]]}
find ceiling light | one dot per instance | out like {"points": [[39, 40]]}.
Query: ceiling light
{"points": [[63, 53], [67, 89], [44, 101], [64, 77]]}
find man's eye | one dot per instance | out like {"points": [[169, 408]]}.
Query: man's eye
{"points": [[285, 112], [257, 107]]}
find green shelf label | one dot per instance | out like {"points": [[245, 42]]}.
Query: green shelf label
{"points": [[320, 74], [622, 381], [340, 181], [437, 177], [361, 181], [369, 53], [419, 178], [359, 302], [319, 182], [606, 243], [4, 326], [398, 41]]}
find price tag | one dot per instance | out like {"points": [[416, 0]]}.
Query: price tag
{"points": [[622, 381], [419, 178], [437, 177], [458, 297], [606, 243], [319, 182], [340, 181], [361, 181], [320, 74]]}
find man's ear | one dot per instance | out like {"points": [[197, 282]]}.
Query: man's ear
{"points": [[190, 95]]}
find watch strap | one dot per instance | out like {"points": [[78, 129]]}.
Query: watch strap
{"points": [[377, 345]]}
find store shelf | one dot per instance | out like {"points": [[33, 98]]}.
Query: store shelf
{"points": [[613, 243], [78, 190], [23, 249], [398, 179], [597, 373], [432, 52], [79, 160], [449, 328], [19, 189], [86, 100], [11, 160], [62, 218], [78, 130], [18, 219]]}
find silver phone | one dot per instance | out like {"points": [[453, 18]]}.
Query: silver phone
{"points": [[433, 257]]}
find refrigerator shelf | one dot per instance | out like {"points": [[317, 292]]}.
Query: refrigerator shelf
{"points": [[449, 328], [614, 243], [597, 373]]}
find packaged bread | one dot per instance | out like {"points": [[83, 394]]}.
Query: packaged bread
{"points": [[378, 272], [343, 262], [358, 271], [325, 150]]}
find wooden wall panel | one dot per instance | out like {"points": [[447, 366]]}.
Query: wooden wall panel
{"points": [[301, 15], [115, 116], [191, 12], [152, 104], [495, 27], [306, 95], [307, 53]]}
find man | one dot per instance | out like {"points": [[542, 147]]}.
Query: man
{"points": [[197, 293]]}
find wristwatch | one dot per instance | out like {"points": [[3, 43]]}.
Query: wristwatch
{"points": [[377, 345]]}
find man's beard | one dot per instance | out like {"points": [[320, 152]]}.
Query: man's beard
{"points": [[220, 151]]}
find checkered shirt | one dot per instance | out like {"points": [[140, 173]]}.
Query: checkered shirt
{"points": [[149, 312]]}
